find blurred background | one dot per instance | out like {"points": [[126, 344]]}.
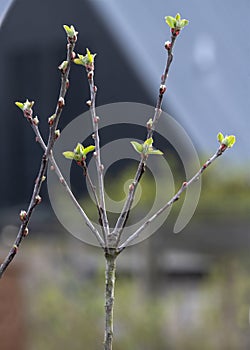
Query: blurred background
{"points": [[174, 291]]}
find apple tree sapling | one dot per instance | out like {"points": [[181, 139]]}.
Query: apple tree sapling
{"points": [[110, 240]]}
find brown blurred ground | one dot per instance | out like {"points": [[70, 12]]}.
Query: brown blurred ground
{"points": [[12, 333]]}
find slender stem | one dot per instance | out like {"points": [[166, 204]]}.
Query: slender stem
{"points": [[121, 222], [162, 89], [109, 297], [75, 202], [184, 186], [35, 198], [93, 189], [99, 165], [92, 186], [62, 93]]}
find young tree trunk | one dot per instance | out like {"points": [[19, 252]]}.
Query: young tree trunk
{"points": [[109, 297]]}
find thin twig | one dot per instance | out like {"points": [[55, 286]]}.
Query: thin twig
{"points": [[121, 222], [163, 88], [184, 186], [75, 202], [93, 189]]}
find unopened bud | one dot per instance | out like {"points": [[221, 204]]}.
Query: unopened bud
{"points": [[63, 66], [35, 121], [90, 75], [51, 119], [25, 232], [57, 134], [23, 215], [149, 124], [89, 103], [61, 102], [38, 199], [95, 88], [168, 45], [162, 89], [15, 248], [96, 120], [131, 187]]}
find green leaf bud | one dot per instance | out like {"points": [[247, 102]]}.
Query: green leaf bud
{"points": [[19, 105], [80, 152], [176, 22], [154, 151], [87, 60], [184, 23], [70, 31], [220, 137], [148, 142], [69, 155], [178, 17], [171, 21], [89, 149], [137, 146], [79, 148], [229, 141]]}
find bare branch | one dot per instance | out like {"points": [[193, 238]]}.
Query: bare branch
{"points": [[121, 222]]}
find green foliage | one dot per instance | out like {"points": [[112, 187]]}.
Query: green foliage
{"points": [[227, 141], [69, 315], [66, 311], [137, 146], [146, 148], [24, 106], [70, 31], [85, 60], [176, 22], [80, 152]]}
